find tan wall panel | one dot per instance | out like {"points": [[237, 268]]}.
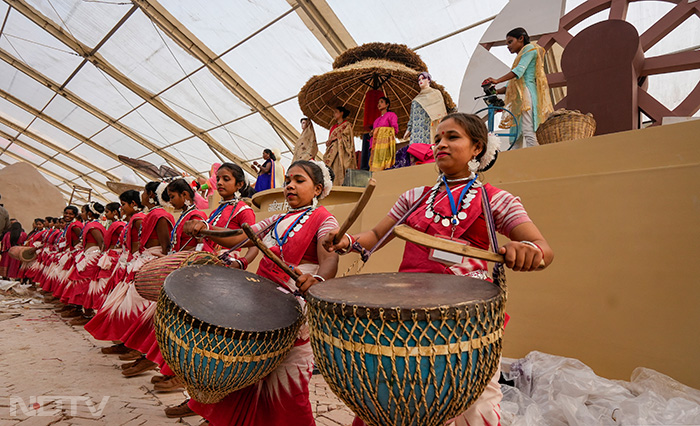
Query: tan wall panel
{"points": [[27, 195]]}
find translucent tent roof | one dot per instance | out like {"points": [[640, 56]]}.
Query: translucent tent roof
{"points": [[189, 83]]}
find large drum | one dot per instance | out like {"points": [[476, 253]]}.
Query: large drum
{"points": [[149, 279], [406, 349], [22, 253], [222, 329]]}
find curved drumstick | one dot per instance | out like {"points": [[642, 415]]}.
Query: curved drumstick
{"points": [[267, 252], [220, 233], [355, 213], [407, 233]]}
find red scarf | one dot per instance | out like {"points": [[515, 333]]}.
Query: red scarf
{"points": [[179, 243], [69, 236], [113, 233], [37, 236], [125, 236], [148, 226], [89, 227]]}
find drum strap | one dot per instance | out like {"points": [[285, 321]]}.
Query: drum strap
{"points": [[498, 274]]}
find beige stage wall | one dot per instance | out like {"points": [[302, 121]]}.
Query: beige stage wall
{"points": [[622, 213], [27, 195]]}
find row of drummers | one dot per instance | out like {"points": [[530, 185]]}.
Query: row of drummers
{"points": [[72, 266]]}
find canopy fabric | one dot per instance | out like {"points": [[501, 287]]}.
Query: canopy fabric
{"points": [[188, 84]]}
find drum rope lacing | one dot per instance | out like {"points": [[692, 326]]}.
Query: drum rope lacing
{"points": [[344, 344], [210, 361]]}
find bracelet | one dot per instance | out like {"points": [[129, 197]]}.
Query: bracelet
{"points": [[531, 244], [244, 262], [207, 224], [239, 263], [348, 249], [319, 278]]}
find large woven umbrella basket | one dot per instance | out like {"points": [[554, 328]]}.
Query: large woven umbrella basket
{"points": [[391, 68]]}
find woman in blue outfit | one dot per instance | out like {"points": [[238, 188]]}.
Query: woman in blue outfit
{"points": [[527, 91], [266, 172]]}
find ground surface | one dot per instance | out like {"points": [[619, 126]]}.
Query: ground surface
{"points": [[54, 374]]}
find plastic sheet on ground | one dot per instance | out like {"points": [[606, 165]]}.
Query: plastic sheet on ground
{"points": [[554, 391]]}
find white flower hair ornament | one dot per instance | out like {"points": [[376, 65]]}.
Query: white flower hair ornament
{"points": [[91, 208], [327, 182], [159, 194], [493, 144]]}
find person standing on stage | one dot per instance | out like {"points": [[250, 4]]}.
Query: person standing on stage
{"points": [[527, 91]]}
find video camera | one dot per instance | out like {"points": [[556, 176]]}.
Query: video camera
{"points": [[490, 96]]}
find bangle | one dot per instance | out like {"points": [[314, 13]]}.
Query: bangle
{"points": [[206, 224], [531, 244], [239, 263], [348, 249], [319, 278]]}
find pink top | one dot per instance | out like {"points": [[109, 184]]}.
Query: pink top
{"points": [[389, 119]]}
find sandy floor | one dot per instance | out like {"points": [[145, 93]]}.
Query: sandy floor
{"points": [[54, 374]]}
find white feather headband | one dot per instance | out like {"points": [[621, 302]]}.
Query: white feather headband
{"points": [[327, 182]]}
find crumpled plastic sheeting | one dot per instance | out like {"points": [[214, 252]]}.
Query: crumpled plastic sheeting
{"points": [[556, 391]]}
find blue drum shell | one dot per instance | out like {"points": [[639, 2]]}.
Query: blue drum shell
{"points": [[213, 361], [406, 366]]}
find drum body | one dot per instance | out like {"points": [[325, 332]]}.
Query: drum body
{"points": [[22, 253], [149, 279], [222, 329], [406, 349]]}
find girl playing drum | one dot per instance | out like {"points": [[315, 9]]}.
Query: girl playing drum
{"points": [[282, 398], [452, 209], [230, 214]]}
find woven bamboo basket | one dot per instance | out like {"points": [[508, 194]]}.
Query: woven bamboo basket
{"points": [[565, 125]]}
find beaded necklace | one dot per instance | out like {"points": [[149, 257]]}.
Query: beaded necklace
{"points": [[293, 228], [220, 210], [457, 207]]}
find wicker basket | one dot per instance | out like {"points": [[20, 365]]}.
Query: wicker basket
{"points": [[564, 125]]}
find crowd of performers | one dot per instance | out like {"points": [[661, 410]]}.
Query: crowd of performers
{"points": [[90, 268]]}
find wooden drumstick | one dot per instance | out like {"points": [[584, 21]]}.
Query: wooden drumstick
{"points": [[220, 233], [267, 252], [355, 213], [407, 233]]}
